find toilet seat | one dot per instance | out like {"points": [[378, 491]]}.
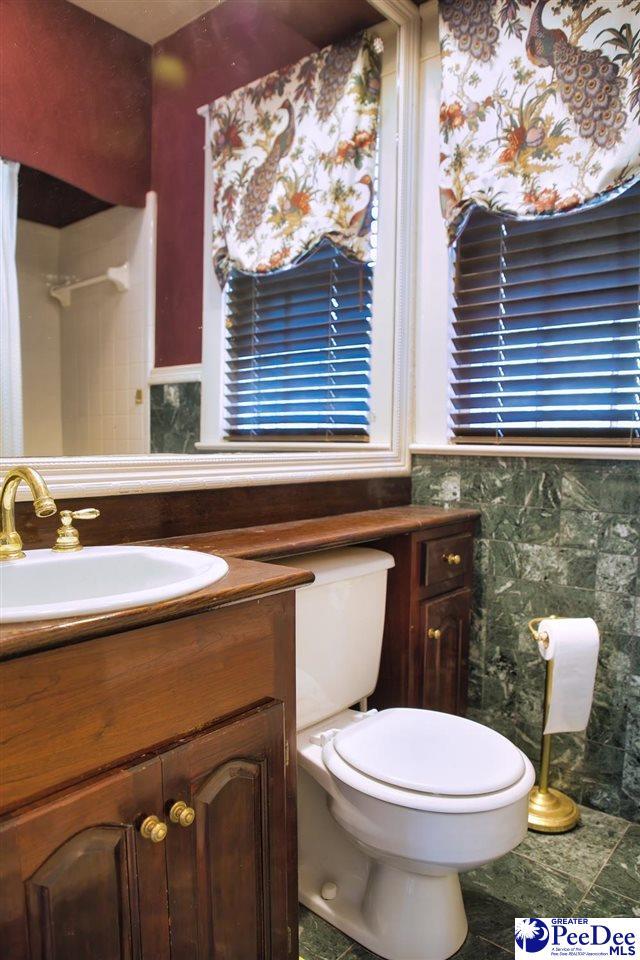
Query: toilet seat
{"points": [[427, 760], [431, 752]]}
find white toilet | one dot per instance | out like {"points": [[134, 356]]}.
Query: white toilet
{"points": [[392, 804]]}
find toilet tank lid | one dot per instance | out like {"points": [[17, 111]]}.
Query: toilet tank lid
{"points": [[346, 563]]}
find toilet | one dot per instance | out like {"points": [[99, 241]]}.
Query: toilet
{"points": [[392, 805]]}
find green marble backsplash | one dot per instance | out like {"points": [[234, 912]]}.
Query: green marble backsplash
{"points": [[175, 417], [555, 536]]}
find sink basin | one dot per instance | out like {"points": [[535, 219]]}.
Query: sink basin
{"points": [[45, 585]]}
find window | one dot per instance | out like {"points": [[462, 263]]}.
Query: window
{"points": [[298, 349], [305, 369], [546, 330]]}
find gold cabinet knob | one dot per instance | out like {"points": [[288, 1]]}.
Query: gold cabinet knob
{"points": [[152, 828], [182, 814], [434, 634], [453, 559]]}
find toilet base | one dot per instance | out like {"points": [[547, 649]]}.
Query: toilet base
{"points": [[402, 916], [399, 915]]}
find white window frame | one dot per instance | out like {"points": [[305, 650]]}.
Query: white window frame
{"points": [[101, 476], [384, 320], [432, 428]]}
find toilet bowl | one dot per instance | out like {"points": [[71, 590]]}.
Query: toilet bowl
{"points": [[392, 805]]}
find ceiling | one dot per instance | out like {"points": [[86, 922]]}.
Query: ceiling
{"points": [[45, 199], [320, 21], [149, 20]]}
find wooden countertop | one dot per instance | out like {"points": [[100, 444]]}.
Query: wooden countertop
{"points": [[300, 536], [246, 577]]}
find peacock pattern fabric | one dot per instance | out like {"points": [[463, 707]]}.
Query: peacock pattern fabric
{"points": [[293, 158], [540, 104]]}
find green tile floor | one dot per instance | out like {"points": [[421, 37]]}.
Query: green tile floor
{"points": [[592, 871]]}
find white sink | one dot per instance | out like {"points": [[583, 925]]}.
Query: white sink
{"points": [[45, 585]]}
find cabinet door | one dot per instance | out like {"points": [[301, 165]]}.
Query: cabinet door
{"points": [[227, 870], [78, 882], [445, 634]]}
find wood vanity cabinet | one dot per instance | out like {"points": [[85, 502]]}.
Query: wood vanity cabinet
{"points": [[78, 879], [105, 724], [227, 871], [444, 629], [425, 650], [81, 883]]}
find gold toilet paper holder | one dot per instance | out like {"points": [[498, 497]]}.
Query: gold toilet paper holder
{"points": [[550, 810]]}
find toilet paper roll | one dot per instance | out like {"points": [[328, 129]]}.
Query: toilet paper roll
{"points": [[573, 647]]}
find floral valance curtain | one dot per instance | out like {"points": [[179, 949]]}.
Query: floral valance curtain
{"points": [[293, 159], [540, 105]]}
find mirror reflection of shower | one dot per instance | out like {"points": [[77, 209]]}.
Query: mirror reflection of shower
{"points": [[86, 302]]}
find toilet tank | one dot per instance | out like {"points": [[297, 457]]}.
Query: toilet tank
{"points": [[339, 627]]}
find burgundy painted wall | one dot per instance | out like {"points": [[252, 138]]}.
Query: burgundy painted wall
{"points": [[75, 96], [78, 102], [228, 47]]}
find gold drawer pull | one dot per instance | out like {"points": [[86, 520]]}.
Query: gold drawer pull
{"points": [[182, 814], [453, 559], [152, 828], [434, 634]]}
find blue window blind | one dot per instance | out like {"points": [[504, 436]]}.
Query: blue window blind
{"points": [[546, 331], [298, 347]]}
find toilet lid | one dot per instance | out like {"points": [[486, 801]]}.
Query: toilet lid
{"points": [[430, 752]]}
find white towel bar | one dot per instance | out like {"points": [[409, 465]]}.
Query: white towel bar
{"points": [[118, 276]]}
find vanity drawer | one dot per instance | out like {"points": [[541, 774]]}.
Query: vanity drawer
{"points": [[445, 560]]}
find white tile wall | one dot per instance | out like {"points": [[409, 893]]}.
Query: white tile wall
{"points": [[105, 335], [37, 256], [83, 364]]}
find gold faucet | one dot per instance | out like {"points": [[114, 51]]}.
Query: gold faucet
{"points": [[43, 505]]}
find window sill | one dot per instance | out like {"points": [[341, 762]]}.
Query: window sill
{"points": [[556, 451], [183, 373], [311, 447]]}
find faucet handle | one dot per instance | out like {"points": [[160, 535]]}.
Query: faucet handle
{"points": [[68, 537], [88, 513]]}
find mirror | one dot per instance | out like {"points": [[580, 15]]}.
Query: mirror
{"points": [[103, 356], [85, 292]]}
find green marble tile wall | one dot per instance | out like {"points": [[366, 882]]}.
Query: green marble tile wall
{"points": [[175, 417], [556, 536]]}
